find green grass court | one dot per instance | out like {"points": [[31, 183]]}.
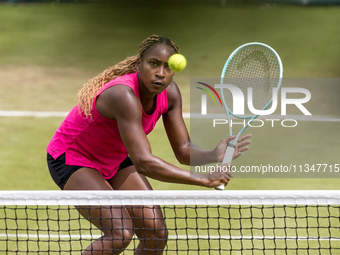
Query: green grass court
{"points": [[48, 51]]}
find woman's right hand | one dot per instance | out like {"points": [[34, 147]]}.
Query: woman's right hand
{"points": [[222, 175]]}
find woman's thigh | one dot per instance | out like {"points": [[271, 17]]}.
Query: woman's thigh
{"points": [[112, 220], [129, 179]]}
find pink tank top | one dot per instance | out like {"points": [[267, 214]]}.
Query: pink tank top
{"points": [[96, 142]]}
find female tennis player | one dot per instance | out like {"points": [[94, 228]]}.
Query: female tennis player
{"points": [[102, 145]]}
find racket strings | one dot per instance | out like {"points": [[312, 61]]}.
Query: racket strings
{"points": [[254, 66]]}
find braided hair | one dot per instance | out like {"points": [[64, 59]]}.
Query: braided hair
{"points": [[90, 89]]}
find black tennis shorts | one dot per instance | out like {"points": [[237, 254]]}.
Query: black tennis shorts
{"points": [[61, 172]]}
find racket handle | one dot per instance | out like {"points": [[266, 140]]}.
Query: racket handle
{"points": [[229, 153], [228, 157]]}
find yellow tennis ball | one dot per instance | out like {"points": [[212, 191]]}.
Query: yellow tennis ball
{"points": [[177, 62]]}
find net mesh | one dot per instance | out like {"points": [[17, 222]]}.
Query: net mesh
{"points": [[217, 223], [256, 67]]}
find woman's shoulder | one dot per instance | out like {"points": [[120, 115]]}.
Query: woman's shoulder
{"points": [[117, 100], [129, 80], [173, 92]]}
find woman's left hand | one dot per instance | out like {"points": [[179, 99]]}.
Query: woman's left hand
{"points": [[240, 146]]}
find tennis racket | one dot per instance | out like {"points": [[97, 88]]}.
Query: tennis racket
{"points": [[255, 69]]}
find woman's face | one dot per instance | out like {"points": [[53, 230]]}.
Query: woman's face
{"points": [[154, 71]]}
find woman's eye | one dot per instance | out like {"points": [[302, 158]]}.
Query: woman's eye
{"points": [[153, 63]]}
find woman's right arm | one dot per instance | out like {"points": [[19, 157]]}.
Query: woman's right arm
{"points": [[121, 104]]}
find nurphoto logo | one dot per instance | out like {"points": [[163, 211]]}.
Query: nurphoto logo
{"points": [[239, 100]]}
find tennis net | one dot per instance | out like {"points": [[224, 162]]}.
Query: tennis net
{"points": [[196, 222]]}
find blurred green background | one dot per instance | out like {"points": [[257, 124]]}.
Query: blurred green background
{"points": [[49, 50]]}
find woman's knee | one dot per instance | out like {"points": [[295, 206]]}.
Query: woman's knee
{"points": [[161, 237], [155, 236], [118, 239]]}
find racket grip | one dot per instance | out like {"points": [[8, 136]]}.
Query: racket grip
{"points": [[229, 153], [228, 157]]}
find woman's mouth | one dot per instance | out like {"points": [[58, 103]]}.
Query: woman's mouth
{"points": [[158, 83]]}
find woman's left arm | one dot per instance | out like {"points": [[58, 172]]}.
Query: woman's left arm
{"points": [[180, 140]]}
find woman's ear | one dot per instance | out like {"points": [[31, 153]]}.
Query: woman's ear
{"points": [[138, 64]]}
